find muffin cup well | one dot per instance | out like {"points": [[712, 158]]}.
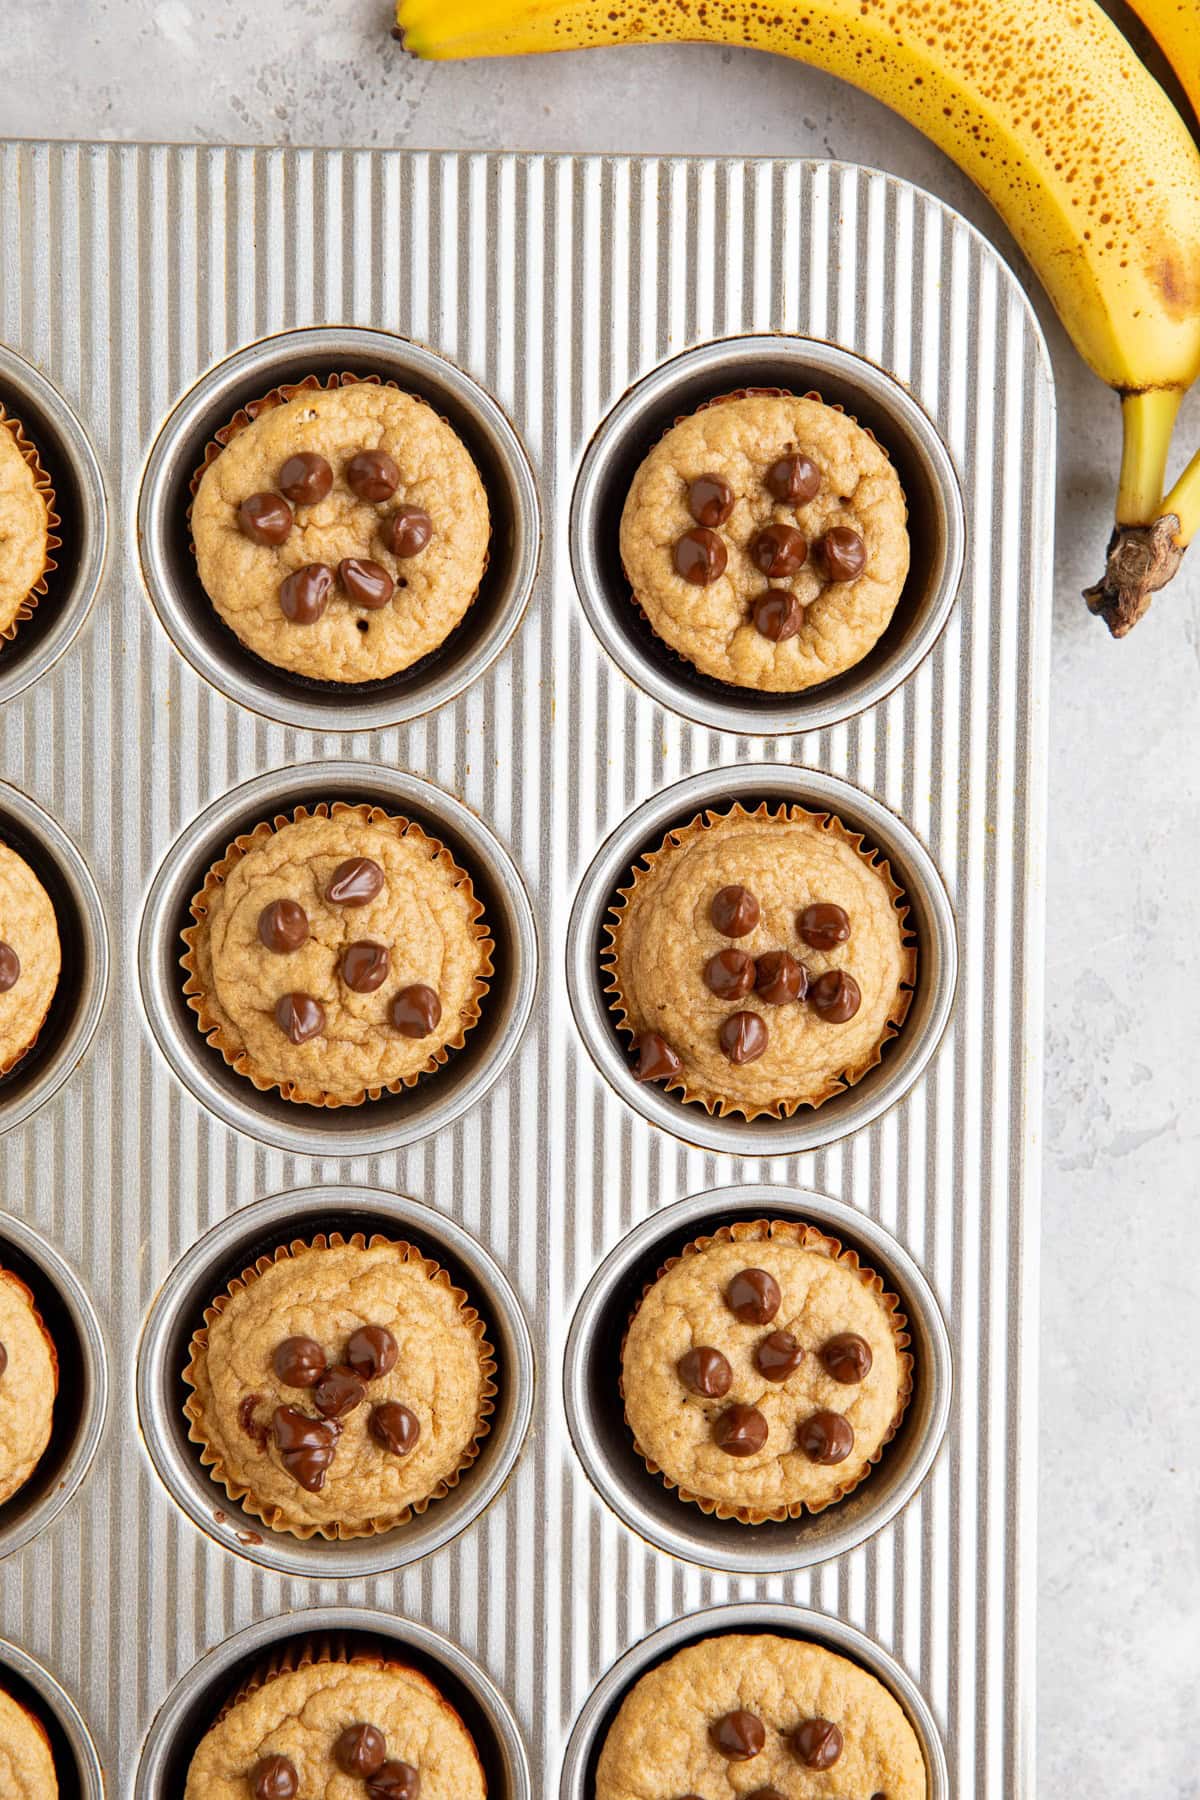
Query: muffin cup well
{"points": [[214, 1027], [238, 1490], [34, 1688], [681, 834], [757, 1231], [45, 489]]}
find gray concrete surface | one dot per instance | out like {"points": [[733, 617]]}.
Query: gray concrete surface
{"points": [[1119, 1618]]}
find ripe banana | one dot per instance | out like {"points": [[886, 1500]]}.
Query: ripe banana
{"points": [[1175, 26], [1041, 102]]}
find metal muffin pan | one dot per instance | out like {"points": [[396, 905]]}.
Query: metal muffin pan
{"points": [[76, 1762], [195, 1701], [936, 523], [771, 1618], [70, 462], [393, 1119], [83, 980], [232, 1246], [930, 920], [604, 1442], [169, 563]]}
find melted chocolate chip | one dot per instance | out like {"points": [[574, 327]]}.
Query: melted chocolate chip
{"points": [[304, 595], [299, 1017], [818, 1743], [823, 926], [371, 1351], [706, 1372], [842, 553], [700, 556], [766, 1794], [283, 926], [778, 1356], [306, 1446], [265, 519], [743, 1037], [734, 911], [826, 1437], [739, 1735], [415, 1011], [257, 1430], [778, 615], [274, 1778], [10, 968], [299, 1362], [846, 1357], [338, 1392], [355, 882], [740, 1431], [366, 583], [779, 978], [394, 1781], [729, 974], [360, 1750], [778, 551], [395, 1427], [753, 1297], [408, 531], [656, 1059], [793, 479], [305, 478], [364, 966], [372, 475], [710, 500], [835, 996]]}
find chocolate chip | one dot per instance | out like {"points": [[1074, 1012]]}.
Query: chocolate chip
{"points": [[753, 1296], [371, 1351], [826, 1437], [255, 1429], [710, 500], [824, 926], [360, 1750], [366, 583], [729, 974], [408, 531], [656, 1059], [778, 1356], [847, 1357], [372, 475], [394, 1781], [299, 1362], [305, 478], [395, 1427], [364, 966], [734, 911], [415, 1010], [842, 553], [306, 1446], [265, 519], [739, 1735], [283, 926], [779, 978], [778, 615], [793, 479], [836, 996], [743, 1037], [338, 1392], [766, 1794], [274, 1778], [779, 550], [304, 595], [355, 882], [299, 1017], [3, 1359], [10, 967], [705, 1371], [818, 1743], [700, 556], [740, 1431]]}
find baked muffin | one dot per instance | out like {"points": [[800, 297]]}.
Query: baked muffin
{"points": [[334, 1725], [26, 1761], [765, 540], [28, 1385], [764, 1370], [30, 957], [760, 960], [342, 532], [27, 519], [340, 1386], [336, 954], [760, 1715]]}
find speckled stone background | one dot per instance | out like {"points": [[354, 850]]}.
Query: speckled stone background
{"points": [[1119, 1600]]}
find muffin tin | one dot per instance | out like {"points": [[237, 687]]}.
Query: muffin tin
{"points": [[558, 311], [75, 1760]]}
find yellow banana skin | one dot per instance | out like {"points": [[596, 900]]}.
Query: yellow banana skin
{"points": [[1175, 27]]}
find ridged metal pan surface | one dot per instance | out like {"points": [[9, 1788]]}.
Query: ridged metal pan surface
{"points": [[555, 286]]}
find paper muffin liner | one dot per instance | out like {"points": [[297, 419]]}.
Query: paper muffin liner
{"points": [[808, 1237], [837, 1083], [217, 1030], [246, 415], [44, 486], [241, 1492]]}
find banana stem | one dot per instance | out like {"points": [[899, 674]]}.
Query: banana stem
{"points": [[1184, 501], [1146, 421]]}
